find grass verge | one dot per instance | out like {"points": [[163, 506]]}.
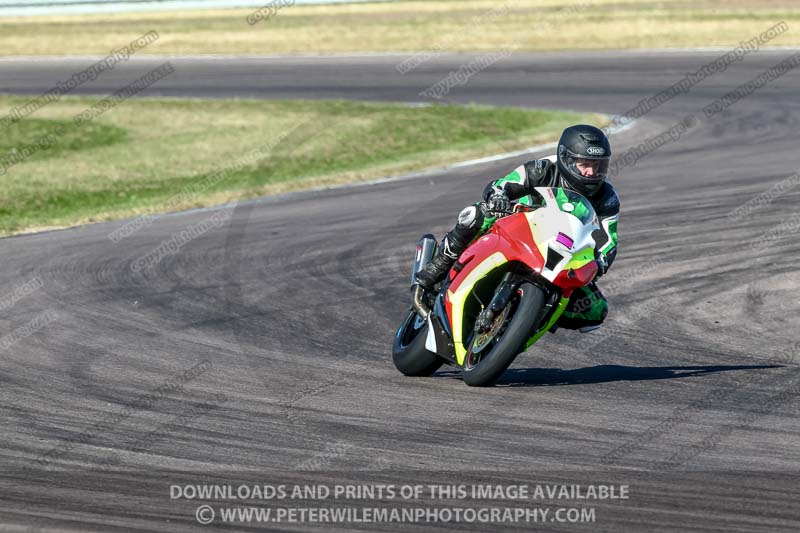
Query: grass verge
{"points": [[155, 155], [458, 25]]}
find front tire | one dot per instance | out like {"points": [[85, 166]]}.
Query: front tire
{"points": [[408, 350], [510, 340]]}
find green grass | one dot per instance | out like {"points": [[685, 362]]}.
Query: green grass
{"points": [[72, 139], [152, 155], [460, 25]]}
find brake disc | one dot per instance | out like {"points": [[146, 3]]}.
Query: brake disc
{"points": [[484, 339]]}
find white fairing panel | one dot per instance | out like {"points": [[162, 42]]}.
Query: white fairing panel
{"points": [[430, 341], [547, 222]]}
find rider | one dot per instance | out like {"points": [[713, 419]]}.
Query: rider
{"points": [[580, 165]]}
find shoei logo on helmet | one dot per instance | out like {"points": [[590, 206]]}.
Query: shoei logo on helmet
{"points": [[596, 150]]}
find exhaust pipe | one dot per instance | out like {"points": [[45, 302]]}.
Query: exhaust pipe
{"points": [[419, 305], [426, 247]]}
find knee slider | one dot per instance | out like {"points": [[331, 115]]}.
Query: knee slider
{"points": [[468, 217]]}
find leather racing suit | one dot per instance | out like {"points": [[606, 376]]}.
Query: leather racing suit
{"points": [[587, 307]]}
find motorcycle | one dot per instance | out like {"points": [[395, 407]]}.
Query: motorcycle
{"points": [[507, 289]]}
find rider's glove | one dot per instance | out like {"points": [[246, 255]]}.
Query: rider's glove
{"points": [[602, 265], [498, 203]]}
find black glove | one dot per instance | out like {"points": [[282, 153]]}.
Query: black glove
{"points": [[498, 203]]}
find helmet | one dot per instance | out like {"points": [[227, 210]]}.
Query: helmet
{"points": [[583, 142]]}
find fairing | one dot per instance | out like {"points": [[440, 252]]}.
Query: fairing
{"points": [[554, 241]]}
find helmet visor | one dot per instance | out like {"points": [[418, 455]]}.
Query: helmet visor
{"points": [[591, 169], [586, 167]]}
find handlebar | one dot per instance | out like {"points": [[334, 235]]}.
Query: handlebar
{"points": [[518, 208]]}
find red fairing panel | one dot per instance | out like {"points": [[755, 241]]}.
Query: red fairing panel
{"points": [[581, 276], [510, 236]]}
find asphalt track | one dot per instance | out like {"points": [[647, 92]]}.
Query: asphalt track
{"points": [[688, 394]]}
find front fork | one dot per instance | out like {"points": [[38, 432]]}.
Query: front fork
{"points": [[502, 297]]}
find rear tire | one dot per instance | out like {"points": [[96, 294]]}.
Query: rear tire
{"points": [[511, 341], [408, 350]]}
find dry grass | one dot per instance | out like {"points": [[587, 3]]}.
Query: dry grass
{"points": [[412, 26]]}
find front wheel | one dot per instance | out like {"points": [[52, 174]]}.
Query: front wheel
{"points": [[490, 354], [408, 350]]}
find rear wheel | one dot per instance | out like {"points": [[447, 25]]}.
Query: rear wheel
{"points": [[408, 350], [491, 353]]}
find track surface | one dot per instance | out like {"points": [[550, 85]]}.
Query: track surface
{"points": [[295, 302]]}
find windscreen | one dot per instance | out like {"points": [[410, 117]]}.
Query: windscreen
{"points": [[575, 204]]}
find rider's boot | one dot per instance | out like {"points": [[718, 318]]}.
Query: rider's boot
{"points": [[439, 265], [453, 245]]}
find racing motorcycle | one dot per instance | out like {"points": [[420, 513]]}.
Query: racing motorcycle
{"points": [[505, 291]]}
